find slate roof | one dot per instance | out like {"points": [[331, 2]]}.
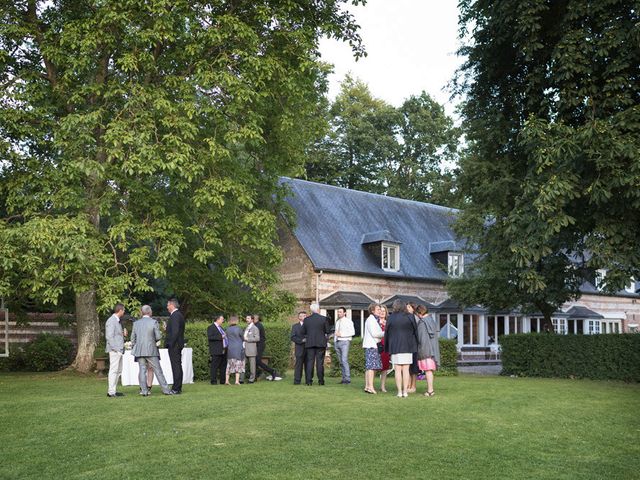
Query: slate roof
{"points": [[452, 306], [346, 299], [582, 312], [331, 223], [407, 299]]}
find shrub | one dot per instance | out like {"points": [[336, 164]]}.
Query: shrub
{"points": [[448, 358], [278, 346], [602, 357], [48, 353], [356, 359], [195, 334], [16, 361]]}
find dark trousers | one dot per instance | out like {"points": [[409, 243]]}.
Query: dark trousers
{"points": [[175, 356], [260, 365], [218, 368], [300, 364], [315, 355]]}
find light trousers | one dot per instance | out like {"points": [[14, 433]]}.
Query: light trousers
{"points": [[115, 370]]}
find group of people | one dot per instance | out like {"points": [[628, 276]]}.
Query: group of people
{"points": [[145, 337], [408, 339], [231, 348]]}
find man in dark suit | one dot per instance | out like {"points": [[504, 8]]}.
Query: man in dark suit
{"points": [[299, 340], [218, 350], [316, 329], [174, 342]]}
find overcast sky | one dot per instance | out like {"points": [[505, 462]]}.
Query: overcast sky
{"points": [[411, 47]]}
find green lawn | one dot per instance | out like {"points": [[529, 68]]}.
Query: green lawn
{"points": [[63, 426]]}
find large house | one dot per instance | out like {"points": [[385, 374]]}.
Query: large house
{"points": [[350, 248]]}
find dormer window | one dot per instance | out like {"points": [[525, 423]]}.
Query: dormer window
{"points": [[390, 257], [455, 264], [601, 275], [384, 249]]}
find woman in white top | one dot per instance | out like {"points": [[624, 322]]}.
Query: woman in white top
{"points": [[372, 336]]}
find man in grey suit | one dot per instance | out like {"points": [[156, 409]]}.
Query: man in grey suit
{"points": [[115, 349], [143, 340]]}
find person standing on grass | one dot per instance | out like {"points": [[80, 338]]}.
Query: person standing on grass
{"points": [[428, 346], [344, 332], [218, 344], [299, 340], [144, 337], [385, 358], [372, 336], [413, 368], [174, 342], [251, 337], [235, 353], [260, 365], [401, 342], [115, 348], [316, 329]]}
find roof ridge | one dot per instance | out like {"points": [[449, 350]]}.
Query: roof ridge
{"points": [[397, 199]]}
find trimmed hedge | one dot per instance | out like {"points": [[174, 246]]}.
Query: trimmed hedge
{"points": [[278, 347], [599, 357], [448, 358]]}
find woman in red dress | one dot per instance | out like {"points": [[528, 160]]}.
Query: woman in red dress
{"points": [[385, 357]]}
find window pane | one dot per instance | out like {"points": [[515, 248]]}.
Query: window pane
{"points": [[466, 326]]}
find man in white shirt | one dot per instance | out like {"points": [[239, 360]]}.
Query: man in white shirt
{"points": [[344, 332]]}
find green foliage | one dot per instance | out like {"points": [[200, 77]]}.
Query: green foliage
{"points": [[152, 135], [46, 353], [447, 367], [16, 361], [600, 357], [356, 359], [195, 334], [552, 122], [448, 358], [278, 347], [407, 152]]}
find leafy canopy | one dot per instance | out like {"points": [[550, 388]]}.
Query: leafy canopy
{"points": [[136, 137], [552, 119], [407, 152]]}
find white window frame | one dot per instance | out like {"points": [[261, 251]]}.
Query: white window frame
{"points": [[455, 270], [392, 256], [593, 327], [559, 325]]}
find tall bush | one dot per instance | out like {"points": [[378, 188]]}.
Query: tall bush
{"points": [[601, 357]]}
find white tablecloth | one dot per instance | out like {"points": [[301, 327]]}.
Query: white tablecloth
{"points": [[130, 367]]}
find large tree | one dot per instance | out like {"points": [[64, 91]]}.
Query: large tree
{"points": [[135, 135], [408, 152], [552, 120]]}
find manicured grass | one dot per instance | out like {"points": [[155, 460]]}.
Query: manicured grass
{"points": [[63, 426]]}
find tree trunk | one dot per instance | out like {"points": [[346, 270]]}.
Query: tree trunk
{"points": [[88, 329]]}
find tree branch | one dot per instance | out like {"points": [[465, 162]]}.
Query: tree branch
{"points": [[31, 16]]}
